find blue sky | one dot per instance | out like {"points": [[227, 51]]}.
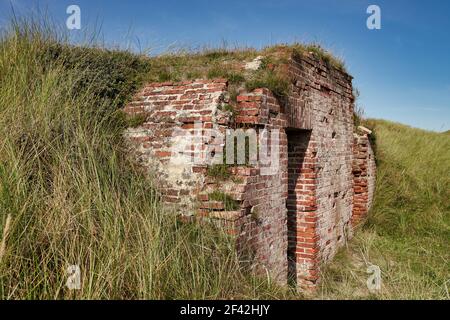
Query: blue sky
{"points": [[402, 70]]}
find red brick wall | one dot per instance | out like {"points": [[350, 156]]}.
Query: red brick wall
{"points": [[303, 211], [364, 168]]}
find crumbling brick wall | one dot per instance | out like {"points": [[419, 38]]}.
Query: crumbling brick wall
{"points": [[289, 220], [364, 168], [324, 98]]}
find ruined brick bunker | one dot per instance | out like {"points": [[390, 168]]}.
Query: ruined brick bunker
{"points": [[290, 213]]}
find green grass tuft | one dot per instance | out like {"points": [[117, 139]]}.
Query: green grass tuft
{"points": [[269, 79], [74, 197]]}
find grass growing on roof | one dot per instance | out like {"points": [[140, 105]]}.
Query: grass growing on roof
{"points": [[206, 64]]}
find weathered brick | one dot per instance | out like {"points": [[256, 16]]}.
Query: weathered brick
{"points": [[326, 175]]}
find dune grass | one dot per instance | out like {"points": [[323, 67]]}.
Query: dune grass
{"points": [[408, 231], [70, 196]]}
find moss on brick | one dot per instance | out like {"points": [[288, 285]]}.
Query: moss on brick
{"points": [[230, 64], [229, 203]]}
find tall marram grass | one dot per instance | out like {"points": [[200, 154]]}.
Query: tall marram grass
{"points": [[408, 231], [74, 198]]}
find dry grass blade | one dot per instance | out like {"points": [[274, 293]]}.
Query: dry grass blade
{"points": [[5, 235]]}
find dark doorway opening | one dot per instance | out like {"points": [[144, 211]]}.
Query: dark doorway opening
{"points": [[298, 141]]}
